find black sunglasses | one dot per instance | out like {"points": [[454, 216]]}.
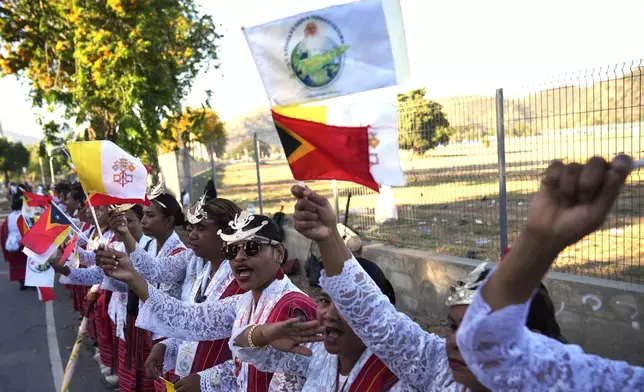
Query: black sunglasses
{"points": [[251, 248]]}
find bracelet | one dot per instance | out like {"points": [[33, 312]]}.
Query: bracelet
{"points": [[250, 338]]}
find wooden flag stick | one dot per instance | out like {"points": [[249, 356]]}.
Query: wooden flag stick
{"points": [[73, 357]]}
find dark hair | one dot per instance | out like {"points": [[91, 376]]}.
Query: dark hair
{"points": [[172, 207], [541, 316], [221, 211], [16, 202], [138, 210], [77, 193], [210, 189], [62, 188], [373, 270]]}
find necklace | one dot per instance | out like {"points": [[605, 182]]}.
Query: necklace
{"points": [[337, 379]]}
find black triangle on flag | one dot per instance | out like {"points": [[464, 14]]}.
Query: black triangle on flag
{"points": [[289, 143]]}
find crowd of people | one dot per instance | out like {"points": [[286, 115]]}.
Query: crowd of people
{"points": [[196, 297]]}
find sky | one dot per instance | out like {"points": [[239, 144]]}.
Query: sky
{"points": [[455, 47]]}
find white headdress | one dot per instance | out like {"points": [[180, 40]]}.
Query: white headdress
{"points": [[238, 224], [196, 212], [462, 292]]}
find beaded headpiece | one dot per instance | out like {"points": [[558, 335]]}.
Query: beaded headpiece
{"points": [[238, 224], [196, 212], [155, 192], [463, 291]]}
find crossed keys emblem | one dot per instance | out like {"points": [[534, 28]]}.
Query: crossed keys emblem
{"points": [[121, 168]]}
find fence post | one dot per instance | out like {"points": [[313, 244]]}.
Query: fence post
{"points": [[503, 197], [259, 180], [42, 174], [336, 201], [213, 165]]}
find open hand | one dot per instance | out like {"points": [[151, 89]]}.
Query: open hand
{"points": [[314, 217], [115, 264], [575, 199], [289, 335]]}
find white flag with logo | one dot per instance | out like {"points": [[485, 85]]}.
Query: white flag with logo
{"points": [[335, 51]]}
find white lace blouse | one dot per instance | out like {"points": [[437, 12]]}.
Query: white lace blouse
{"points": [[320, 369], [216, 320], [416, 356], [506, 356]]}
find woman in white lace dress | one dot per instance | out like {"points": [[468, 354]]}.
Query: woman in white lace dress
{"points": [[573, 202], [341, 362], [419, 358], [256, 253], [198, 282]]}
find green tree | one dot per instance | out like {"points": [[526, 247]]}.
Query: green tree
{"points": [[249, 145], [422, 124], [201, 125], [13, 158], [121, 66]]}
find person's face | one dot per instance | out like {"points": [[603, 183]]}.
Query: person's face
{"points": [[339, 338], [71, 204], [102, 215], [184, 233], [460, 371], [205, 241], [134, 224], [155, 223], [82, 214], [257, 272]]}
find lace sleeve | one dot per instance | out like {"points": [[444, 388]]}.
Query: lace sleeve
{"points": [[220, 378], [163, 269], [85, 276], [86, 257], [274, 361], [168, 316], [416, 356], [504, 355], [113, 285], [284, 382], [171, 351]]}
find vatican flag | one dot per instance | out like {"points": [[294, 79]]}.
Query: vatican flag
{"points": [[109, 173], [335, 51]]}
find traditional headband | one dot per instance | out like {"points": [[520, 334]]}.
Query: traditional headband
{"points": [[241, 220], [196, 212], [155, 192], [121, 207], [462, 292]]}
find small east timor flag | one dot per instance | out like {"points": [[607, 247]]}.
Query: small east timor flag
{"points": [[317, 151]]}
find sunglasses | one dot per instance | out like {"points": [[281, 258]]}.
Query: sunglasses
{"points": [[251, 248]]}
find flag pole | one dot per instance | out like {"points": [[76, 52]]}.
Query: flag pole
{"points": [[73, 357], [71, 223], [91, 207]]}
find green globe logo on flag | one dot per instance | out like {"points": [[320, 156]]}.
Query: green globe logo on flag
{"points": [[317, 59]]}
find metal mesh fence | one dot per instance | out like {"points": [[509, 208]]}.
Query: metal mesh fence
{"points": [[451, 203]]}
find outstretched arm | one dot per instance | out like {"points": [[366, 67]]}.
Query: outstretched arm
{"points": [[573, 202], [414, 355]]}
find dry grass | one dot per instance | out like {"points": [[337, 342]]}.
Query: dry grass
{"points": [[451, 202]]}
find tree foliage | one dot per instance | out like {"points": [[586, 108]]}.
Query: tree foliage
{"points": [[422, 124], [13, 158], [122, 66], [248, 146], [201, 125]]}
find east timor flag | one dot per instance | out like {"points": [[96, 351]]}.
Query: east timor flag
{"points": [[34, 200], [51, 229], [317, 151]]}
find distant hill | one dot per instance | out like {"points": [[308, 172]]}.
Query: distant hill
{"points": [[243, 127], [611, 101], [24, 139]]}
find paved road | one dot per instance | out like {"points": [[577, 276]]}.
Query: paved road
{"points": [[25, 364]]}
